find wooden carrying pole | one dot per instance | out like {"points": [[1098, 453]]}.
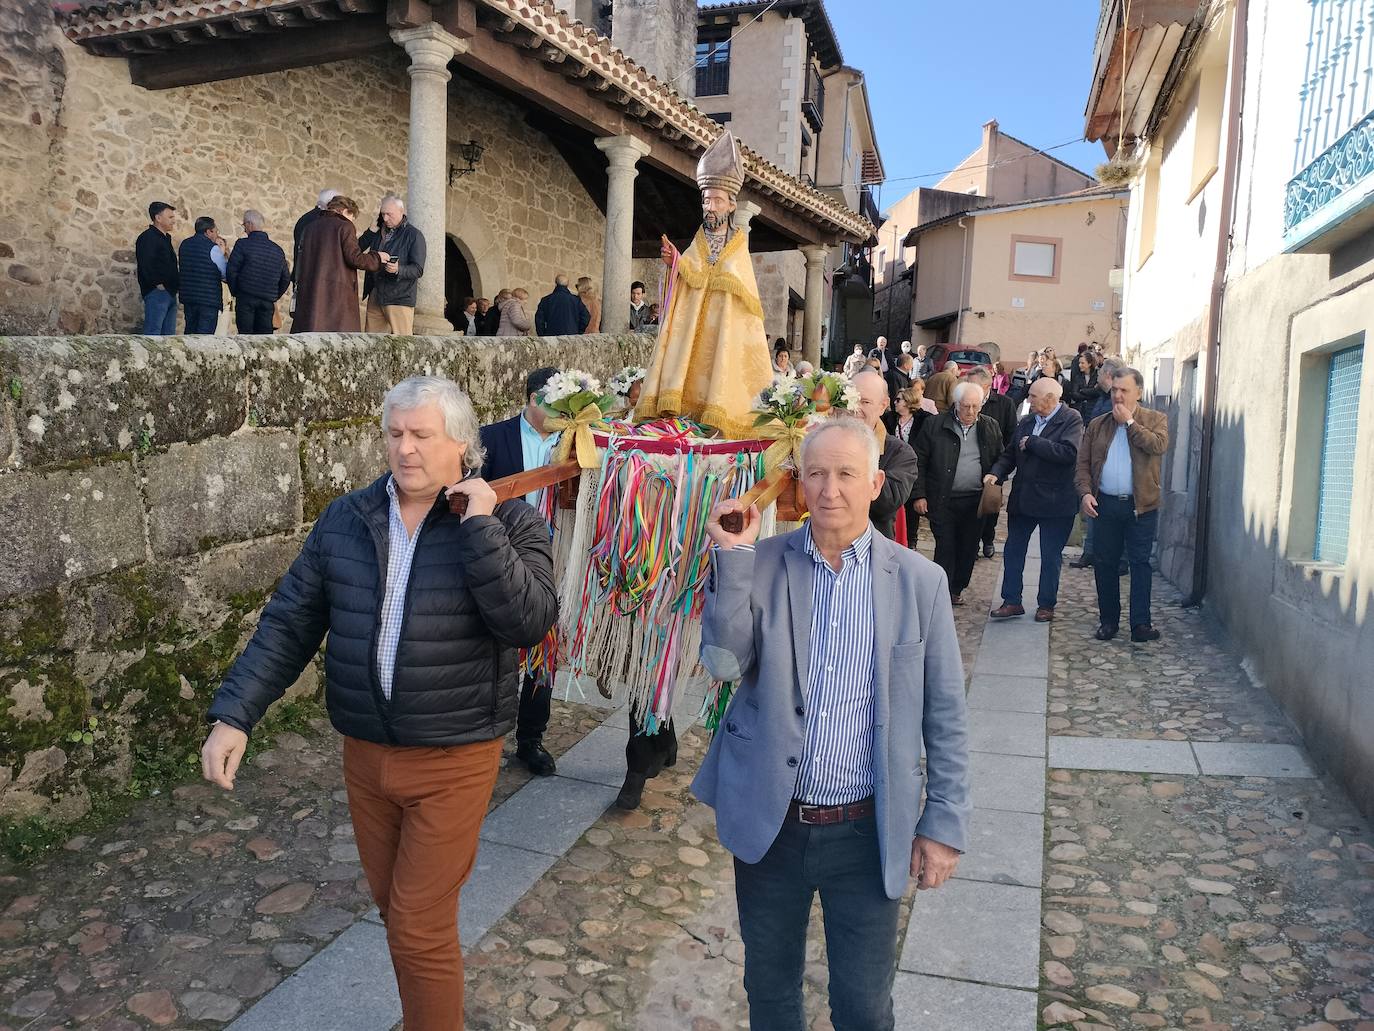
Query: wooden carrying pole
{"points": [[520, 484]]}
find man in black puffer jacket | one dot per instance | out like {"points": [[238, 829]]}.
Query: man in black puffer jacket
{"points": [[424, 611], [257, 276]]}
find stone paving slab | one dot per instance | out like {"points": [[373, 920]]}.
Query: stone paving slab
{"points": [[1239, 759], [1008, 694], [1004, 847], [975, 931], [500, 877], [347, 987], [1007, 733], [1123, 754], [598, 758], [1009, 782], [548, 815], [943, 1004]]}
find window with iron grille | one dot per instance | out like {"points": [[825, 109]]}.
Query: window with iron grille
{"points": [[1337, 478], [713, 66]]}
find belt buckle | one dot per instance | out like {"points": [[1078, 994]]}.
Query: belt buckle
{"points": [[802, 816]]}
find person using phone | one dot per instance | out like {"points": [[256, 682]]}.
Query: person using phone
{"points": [[391, 291]]}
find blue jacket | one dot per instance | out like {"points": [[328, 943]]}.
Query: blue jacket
{"points": [[200, 278], [755, 629], [1043, 487], [479, 589], [561, 314], [505, 452], [257, 268]]}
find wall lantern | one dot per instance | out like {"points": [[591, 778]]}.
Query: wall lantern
{"points": [[471, 152]]}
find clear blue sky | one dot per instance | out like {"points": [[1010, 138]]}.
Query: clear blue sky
{"points": [[937, 71]]}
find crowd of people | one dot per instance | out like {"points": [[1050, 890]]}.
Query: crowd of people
{"points": [[1074, 441], [322, 279]]}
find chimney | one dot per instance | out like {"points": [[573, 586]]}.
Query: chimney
{"points": [[661, 36]]}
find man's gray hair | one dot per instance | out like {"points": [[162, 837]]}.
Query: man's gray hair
{"points": [[1125, 371], [460, 421], [961, 390], [561, 279], [391, 198], [254, 219], [979, 373], [325, 197], [843, 423], [1051, 384]]}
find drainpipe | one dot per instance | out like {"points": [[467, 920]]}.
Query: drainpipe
{"points": [[963, 273], [1236, 91]]}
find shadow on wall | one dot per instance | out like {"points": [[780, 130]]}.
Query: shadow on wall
{"points": [[1304, 627]]}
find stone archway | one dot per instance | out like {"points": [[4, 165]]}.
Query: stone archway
{"points": [[484, 252]]}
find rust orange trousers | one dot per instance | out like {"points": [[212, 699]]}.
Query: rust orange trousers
{"points": [[416, 813]]}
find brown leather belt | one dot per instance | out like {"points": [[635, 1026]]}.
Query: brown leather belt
{"points": [[820, 815]]}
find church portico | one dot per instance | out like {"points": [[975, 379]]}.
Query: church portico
{"points": [[216, 111]]}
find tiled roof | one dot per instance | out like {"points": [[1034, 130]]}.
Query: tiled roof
{"points": [[663, 108], [813, 13]]}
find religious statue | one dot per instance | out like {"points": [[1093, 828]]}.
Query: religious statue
{"points": [[711, 361]]}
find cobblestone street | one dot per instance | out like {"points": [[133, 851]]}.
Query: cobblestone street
{"points": [[1167, 901]]}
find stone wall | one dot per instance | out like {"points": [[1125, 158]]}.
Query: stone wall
{"points": [[86, 151], [152, 491]]}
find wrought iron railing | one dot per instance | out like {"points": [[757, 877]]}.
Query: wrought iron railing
{"points": [[813, 104], [1333, 151]]}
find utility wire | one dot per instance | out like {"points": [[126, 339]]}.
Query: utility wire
{"points": [[691, 68]]}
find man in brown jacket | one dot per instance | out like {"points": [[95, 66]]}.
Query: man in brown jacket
{"points": [[327, 272], [940, 387], [1118, 482]]}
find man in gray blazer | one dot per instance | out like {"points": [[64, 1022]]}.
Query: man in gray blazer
{"points": [[843, 647]]}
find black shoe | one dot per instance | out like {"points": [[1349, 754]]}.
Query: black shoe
{"points": [[631, 791], [1082, 562], [1105, 632], [533, 755], [1144, 632], [989, 551]]}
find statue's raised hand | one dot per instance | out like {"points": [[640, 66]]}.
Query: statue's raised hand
{"points": [[667, 251]]}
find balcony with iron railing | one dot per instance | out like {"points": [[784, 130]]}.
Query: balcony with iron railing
{"points": [[1331, 195], [813, 103]]}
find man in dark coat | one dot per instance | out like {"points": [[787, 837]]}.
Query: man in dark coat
{"points": [[257, 276], [1000, 409], [1044, 454], [391, 291], [158, 276], [488, 318], [561, 313], [954, 451], [327, 272], [202, 264], [424, 611], [896, 461], [302, 223], [512, 446]]}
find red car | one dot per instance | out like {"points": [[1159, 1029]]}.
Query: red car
{"points": [[964, 357]]}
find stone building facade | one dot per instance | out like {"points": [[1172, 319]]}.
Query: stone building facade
{"points": [[86, 151]]}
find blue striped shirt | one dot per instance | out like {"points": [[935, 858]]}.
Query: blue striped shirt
{"points": [[400, 552], [837, 764]]}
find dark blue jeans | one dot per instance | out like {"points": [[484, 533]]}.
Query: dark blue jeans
{"points": [[1120, 529], [201, 319], [253, 315], [774, 900], [1054, 534], [159, 313]]}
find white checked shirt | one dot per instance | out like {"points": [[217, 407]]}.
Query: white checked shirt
{"points": [[400, 552]]}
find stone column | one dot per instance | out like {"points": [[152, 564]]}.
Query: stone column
{"points": [[745, 213], [430, 49], [622, 156], [815, 301]]}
